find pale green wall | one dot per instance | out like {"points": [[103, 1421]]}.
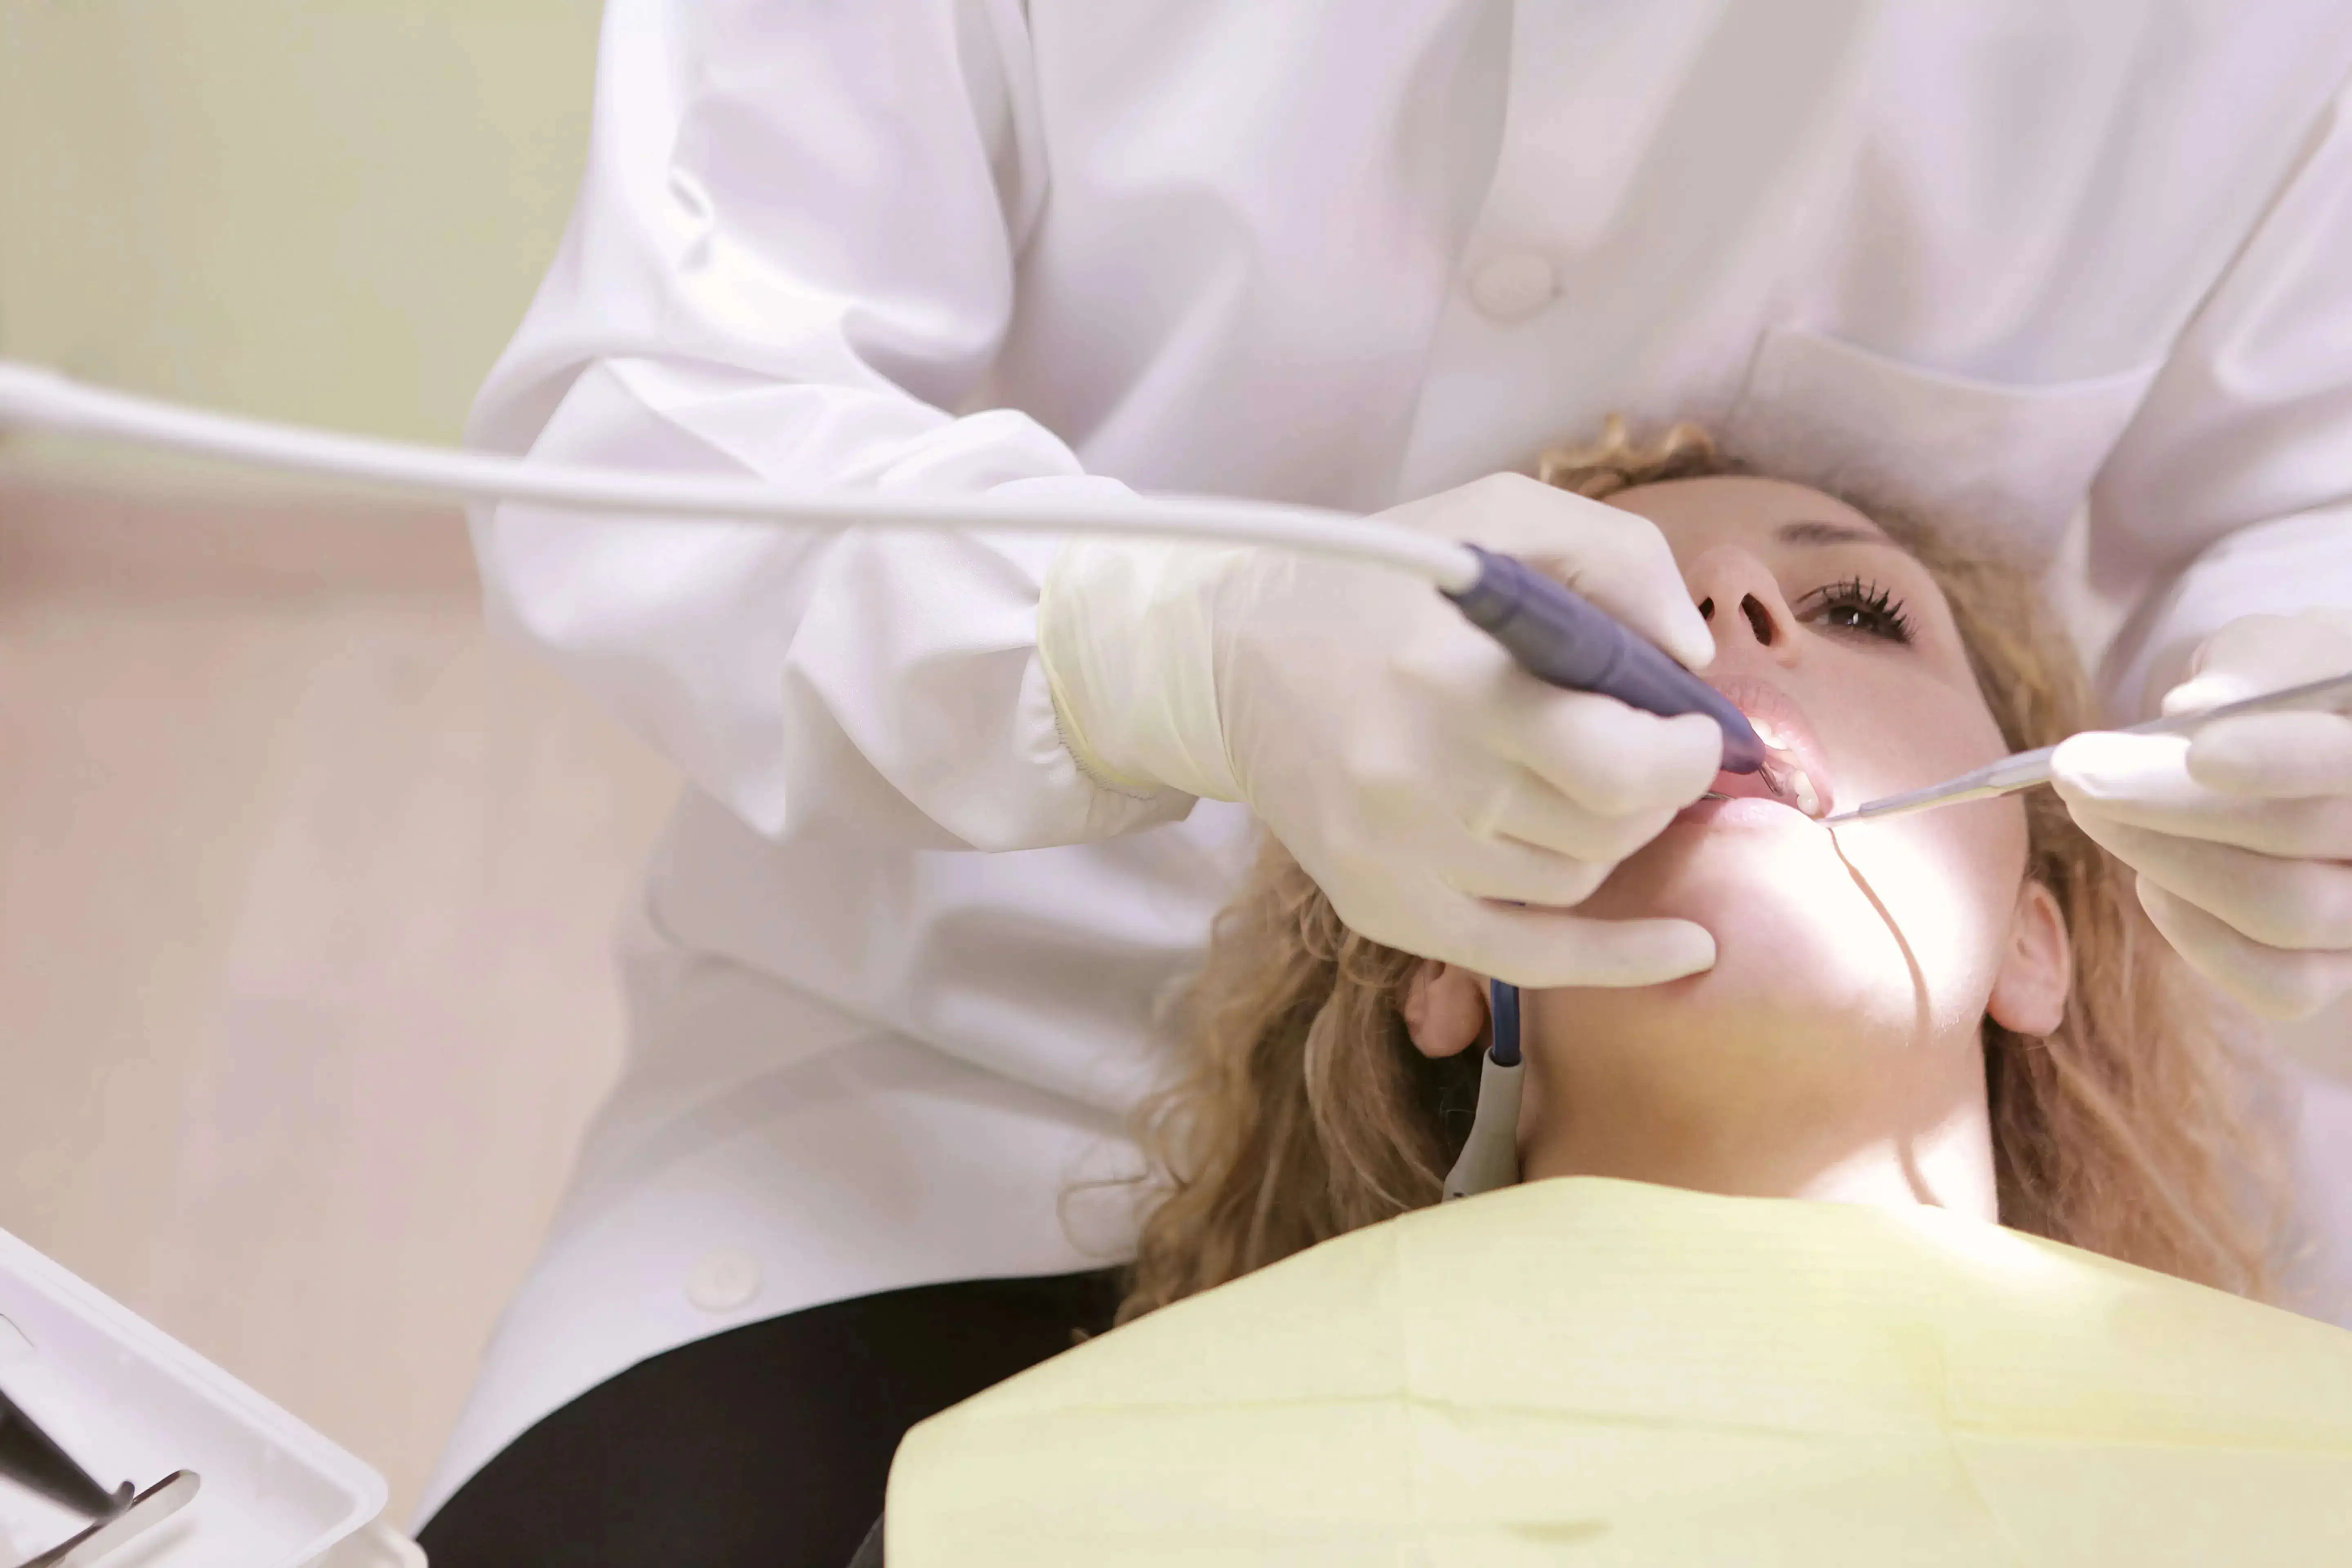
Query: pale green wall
{"points": [[326, 212]]}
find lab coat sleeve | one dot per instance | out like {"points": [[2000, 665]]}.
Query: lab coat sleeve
{"points": [[2230, 493], [792, 253]]}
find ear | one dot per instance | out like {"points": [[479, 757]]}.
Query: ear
{"points": [[2029, 996], [1445, 1009]]}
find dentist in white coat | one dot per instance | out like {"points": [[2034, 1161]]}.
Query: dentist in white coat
{"points": [[892, 971]]}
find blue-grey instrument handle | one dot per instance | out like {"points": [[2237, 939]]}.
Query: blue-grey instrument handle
{"points": [[1559, 637]]}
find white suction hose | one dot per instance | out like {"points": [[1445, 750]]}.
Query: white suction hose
{"points": [[37, 398]]}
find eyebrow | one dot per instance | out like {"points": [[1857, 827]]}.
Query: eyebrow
{"points": [[1811, 532]]}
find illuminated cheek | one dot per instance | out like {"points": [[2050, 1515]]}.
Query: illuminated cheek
{"points": [[1902, 735], [1947, 881]]}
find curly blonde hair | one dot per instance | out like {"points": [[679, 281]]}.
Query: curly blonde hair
{"points": [[1301, 1110]]}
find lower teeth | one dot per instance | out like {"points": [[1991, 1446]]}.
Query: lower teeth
{"points": [[1799, 790]]}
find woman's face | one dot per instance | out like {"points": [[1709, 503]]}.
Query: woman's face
{"points": [[1839, 646], [1846, 956]]}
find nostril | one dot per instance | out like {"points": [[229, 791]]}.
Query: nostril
{"points": [[1759, 617], [1706, 609]]}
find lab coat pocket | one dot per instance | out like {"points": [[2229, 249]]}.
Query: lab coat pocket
{"points": [[2000, 461]]}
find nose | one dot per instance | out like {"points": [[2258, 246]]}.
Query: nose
{"points": [[1740, 601]]}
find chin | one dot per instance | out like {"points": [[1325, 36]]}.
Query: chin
{"points": [[1798, 941]]}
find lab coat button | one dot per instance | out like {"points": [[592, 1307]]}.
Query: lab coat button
{"points": [[1513, 285], [723, 1280]]}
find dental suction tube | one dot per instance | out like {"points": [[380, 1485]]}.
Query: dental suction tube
{"points": [[39, 398], [1490, 1155], [1553, 633]]}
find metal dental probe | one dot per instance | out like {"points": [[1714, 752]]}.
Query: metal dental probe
{"points": [[2026, 768], [136, 1517], [1554, 634]]}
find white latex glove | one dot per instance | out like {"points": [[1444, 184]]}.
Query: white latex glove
{"points": [[1423, 780], [2241, 835]]}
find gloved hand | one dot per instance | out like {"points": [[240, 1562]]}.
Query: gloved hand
{"points": [[2242, 834], [1421, 778]]}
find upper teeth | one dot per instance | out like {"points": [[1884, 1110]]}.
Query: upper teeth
{"points": [[1767, 733], [1809, 799]]}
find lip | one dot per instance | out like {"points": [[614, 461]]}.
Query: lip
{"points": [[1719, 812], [1793, 746]]}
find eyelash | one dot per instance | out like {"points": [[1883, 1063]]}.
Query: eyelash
{"points": [[1874, 611]]}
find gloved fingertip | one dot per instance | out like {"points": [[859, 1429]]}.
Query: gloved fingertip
{"points": [[2274, 755], [2220, 762], [2200, 693], [2094, 824], [2165, 912], [1683, 948], [2284, 987], [1613, 955], [2067, 760], [2107, 764], [2081, 769], [1689, 640], [1700, 757], [2176, 918]]}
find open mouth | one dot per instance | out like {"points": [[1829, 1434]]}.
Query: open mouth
{"points": [[1795, 773]]}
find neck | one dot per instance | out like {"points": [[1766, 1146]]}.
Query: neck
{"points": [[1896, 1139]]}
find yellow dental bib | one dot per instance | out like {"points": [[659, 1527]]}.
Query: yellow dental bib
{"points": [[1599, 1372]]}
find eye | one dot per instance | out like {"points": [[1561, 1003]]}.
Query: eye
{"points": [[1857, 605]]}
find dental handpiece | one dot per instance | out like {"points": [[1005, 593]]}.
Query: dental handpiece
{"points": [[1550, 631], [1558, 636]]}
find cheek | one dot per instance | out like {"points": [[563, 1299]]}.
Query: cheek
{"points": [[1906, 930], [1796, 940], [1949, 882], [1947, 878], [1887, 731]]}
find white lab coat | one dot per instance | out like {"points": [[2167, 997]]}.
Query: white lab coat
{"points": [[892, 972]]}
